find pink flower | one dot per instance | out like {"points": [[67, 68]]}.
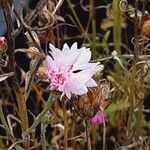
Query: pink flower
{"points": [[2, 42], [99, 118], [69, 70]]}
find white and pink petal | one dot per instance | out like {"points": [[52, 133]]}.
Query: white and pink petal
{"points": [[84, 56], [84, 66], [91, 83], [55, 52], [76, 87]]}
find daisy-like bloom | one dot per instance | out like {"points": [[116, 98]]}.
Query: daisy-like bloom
{"points": [[69, 70], [99, 118]]}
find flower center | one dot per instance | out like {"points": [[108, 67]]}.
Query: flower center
{"points": [[57, 76]]}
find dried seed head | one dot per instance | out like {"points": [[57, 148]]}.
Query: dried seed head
{"points": [[86, 105], [99, 69], [123, 5], [33, 52], [41, 73], [146, 28]]}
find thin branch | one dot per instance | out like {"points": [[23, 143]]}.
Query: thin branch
{"points": [[143, 7], [65, 126], [14, 144], [10, 39], [104, 135], [28, 28], [31, 16], [136, 29], [3, 120], [87, 121], [57, 6], [129, 56]]}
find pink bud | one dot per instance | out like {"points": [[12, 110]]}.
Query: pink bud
{"points": [[2, 42], [99, 118]]}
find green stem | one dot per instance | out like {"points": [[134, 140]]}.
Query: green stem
{"points": [[117, 17], [43, 139], [10, 136], [3, 120], [38, 119]]}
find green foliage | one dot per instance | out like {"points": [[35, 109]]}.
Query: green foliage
{"points": [[114, 110], [104, 44]]}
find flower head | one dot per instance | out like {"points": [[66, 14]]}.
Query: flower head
{"points": [[69, 70], [99, 118], [2, 42]]}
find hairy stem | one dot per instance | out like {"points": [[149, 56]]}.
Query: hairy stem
{"points": [[38, 119], [10, 136], [43, 139]]}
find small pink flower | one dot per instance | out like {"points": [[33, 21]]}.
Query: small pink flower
{"points": [[2, 42], [99, 118], [69, 70]]}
